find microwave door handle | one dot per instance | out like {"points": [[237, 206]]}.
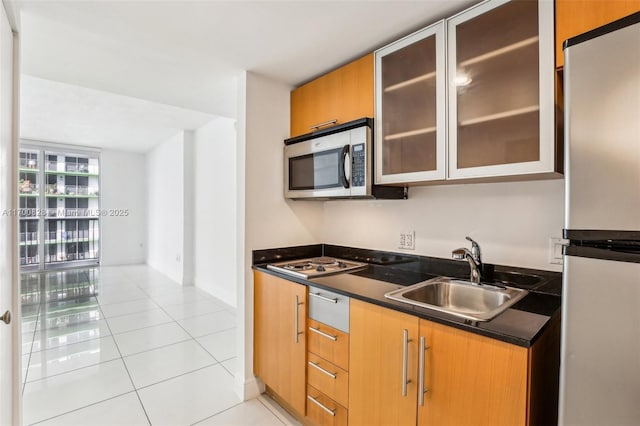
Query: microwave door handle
{"points": [[344, 163]]}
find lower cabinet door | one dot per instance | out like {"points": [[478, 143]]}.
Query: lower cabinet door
{"points": [[280, 337], [471, 379], [324, 411], [383, 366]]}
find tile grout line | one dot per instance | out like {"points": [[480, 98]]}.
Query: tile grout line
{"points": [[33, 338], [158, 347], [81, 408], [281, 417], [57, 327], [273, 411], [130, 313], [73, 369], [144, 410], [199, 344], [121, 355], [61, 346], [219, 412], [81, 341], [206, 298], [175, 377], [193, 316], [195, 339], [219, 362], [189, 372]]}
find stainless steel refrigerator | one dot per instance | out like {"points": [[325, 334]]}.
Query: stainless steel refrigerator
{"points": [[600, 363]]}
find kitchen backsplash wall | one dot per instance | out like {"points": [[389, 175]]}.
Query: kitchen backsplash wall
{"points": [[512, 221]]}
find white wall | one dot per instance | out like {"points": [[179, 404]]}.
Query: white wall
{"points": [[511, 221], [188, 215], [265, 218], [123, 184], [214, 209], [165, 208]]}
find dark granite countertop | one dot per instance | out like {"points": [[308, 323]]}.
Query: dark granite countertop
{"points": [[521, 324]]}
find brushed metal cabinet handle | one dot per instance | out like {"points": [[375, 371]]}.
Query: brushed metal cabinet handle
{"points": [[421, 389], [405, 360], [326, 123], [325, 298], [327, 372], [323, 334], [6, 317], [296, 319], [321, 405]]}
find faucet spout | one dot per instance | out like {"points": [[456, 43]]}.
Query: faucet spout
{"points": [[473, 257]]}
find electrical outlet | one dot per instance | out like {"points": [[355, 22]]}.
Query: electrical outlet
{"points": [[555, 250], [410, 240], [407, 240]]}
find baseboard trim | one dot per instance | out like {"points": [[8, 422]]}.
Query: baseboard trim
{"points": [[228, 297], [248, 389]]}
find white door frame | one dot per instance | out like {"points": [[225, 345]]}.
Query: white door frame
{"points": [[9, 11]]}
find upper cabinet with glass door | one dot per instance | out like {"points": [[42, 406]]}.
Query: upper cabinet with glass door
{"points": [[410, 108], [501, 90]]}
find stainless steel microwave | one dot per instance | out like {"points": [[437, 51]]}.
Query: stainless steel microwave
{"points": [[334, 163]]}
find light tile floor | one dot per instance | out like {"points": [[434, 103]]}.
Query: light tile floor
{"points": [[130, 347]]}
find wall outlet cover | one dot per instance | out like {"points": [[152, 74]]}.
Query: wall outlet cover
{"points": [[407, 240]]}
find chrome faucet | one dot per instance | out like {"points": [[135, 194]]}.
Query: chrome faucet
{"points": [[473, 257]]}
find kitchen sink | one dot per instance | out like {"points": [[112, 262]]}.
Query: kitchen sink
{"points": [[460, 298]]}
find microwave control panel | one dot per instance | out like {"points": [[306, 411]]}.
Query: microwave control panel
{"points": [[358, 169]]}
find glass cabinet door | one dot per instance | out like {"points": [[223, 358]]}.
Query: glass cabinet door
{"points": [[500, 78], [410, 108]]}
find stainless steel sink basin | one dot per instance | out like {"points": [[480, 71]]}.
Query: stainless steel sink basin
{"points": [[459, 298]]}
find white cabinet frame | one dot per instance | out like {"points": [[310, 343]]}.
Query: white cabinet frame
{"points": [[546, 162], [437, 29]]}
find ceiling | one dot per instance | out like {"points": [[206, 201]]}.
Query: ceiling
{"points": [[188, 54], [69, 114]]}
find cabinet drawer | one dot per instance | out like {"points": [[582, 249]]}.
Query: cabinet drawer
{"points": [[324, 411], [328, 378], [328, 343], [329, 308]]}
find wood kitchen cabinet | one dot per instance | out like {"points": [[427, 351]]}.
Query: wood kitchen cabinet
{"points": [[280, 338], [501, 90], [574, 17], [377, 355], [410, 108], [342, 95], [471, 379], [467, 379]]}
